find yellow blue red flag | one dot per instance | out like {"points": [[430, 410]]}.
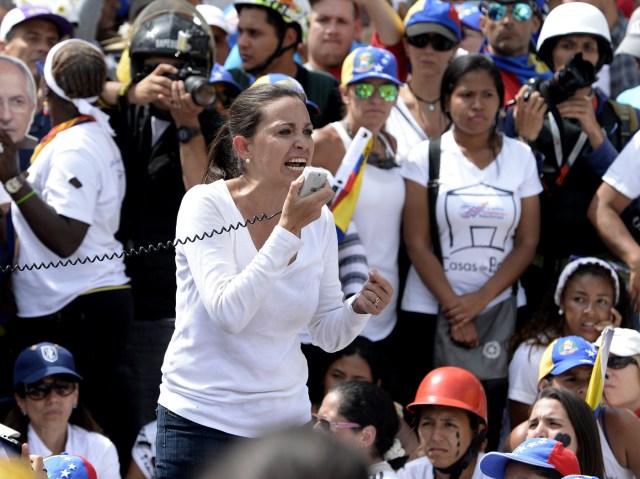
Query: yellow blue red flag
{"points": [[596, 383], [348, 180]]}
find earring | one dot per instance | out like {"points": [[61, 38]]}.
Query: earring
{"points": [[247, 161], [75, 406], [24, 413], [560, 311], [45, 108]]}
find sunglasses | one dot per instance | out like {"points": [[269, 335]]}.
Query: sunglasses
{"points": [[225, 95], [329, 426], [620, 362], [438, 42], [521, 12], [41, 389], [388, 92]]}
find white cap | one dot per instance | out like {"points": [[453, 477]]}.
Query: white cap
{"points": [[17, 15], [213, 16], [626, 342]]}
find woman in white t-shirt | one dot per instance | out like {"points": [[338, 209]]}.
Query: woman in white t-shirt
{"points": [[487, 217]]}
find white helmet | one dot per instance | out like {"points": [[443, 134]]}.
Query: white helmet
{"points": [[575, 18]]}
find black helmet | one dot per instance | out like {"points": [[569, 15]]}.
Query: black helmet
{"points": [[171, 28]]}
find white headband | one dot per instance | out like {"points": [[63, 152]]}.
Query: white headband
{"points": [[574, 265], [84, 105]]}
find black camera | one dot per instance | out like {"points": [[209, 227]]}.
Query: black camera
{"points": [[197, 84], [577, 73]]}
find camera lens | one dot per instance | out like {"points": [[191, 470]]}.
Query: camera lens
{"points": [[202, 92]]}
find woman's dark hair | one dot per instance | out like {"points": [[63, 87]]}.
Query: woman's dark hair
{"points": [[245, 114], [461, 66], [547, 323], [369, 405], [80, 416], [545, 472], [79, 69], [367, 350], [589, 451]]}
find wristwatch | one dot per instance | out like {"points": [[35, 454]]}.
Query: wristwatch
{"points": [[13, 185], [185, 133]]}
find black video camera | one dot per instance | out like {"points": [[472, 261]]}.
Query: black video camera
{"points": [[196, 83], [577, 73]]}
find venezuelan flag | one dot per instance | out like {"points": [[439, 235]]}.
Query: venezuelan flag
{"points": [[596, 383], [348, 180]]}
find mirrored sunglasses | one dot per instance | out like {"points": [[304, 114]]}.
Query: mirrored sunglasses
{"points": [[327, 426], [41, 389], [521, 12], [620, 362], [437, 41], [388, 91]]}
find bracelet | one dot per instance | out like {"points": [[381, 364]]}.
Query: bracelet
{"points": [[25, 197]]}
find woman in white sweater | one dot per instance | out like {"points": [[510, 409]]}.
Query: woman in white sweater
{"points": [[234, 367]]}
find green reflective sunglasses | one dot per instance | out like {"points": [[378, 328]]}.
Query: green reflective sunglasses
{"points": [[388, 91]]}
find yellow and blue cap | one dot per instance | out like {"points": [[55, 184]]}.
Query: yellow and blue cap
{"points": [[433, 16], [282, 79], [369, 62], [566, 353]]}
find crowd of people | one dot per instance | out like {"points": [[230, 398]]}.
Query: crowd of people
{"points": [[172, 303]]}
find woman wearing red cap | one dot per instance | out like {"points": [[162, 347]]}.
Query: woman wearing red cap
{"points": [[450, 411]]}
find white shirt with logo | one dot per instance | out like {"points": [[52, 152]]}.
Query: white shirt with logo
{"points": [[478, 211]]}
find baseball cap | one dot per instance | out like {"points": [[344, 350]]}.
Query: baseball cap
{"points": [[540, 452], [566, 353], [282, 79], [433, 16], [369, 62], [69, 466], [469, 14], [42, 360], [18, 15], [213, 16], [630, 44], [625, 342], [220, 75]]}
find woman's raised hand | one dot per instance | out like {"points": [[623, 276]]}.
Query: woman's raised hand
{"points": [[298, 212], [374, 296]]}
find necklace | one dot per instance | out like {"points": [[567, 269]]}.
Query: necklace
{"points": [[385, 163], [431, 105]]}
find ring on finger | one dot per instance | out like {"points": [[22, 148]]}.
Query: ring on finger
{"points": [[376, 302]]}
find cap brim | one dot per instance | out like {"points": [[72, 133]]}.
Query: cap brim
{"points": [[63, 25], [630, 45], [48, 372], [420, 28], [493, 463], [564, 366], [373, 74]]}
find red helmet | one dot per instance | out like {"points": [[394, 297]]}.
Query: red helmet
{"points": [[453, 387]]}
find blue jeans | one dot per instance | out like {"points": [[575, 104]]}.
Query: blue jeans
{"points": [[185, 449]]}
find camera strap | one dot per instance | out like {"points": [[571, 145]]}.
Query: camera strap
{"points": [[557, 148]]}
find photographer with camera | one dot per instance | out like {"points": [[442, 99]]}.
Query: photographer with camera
{"points": [[575, 131], [163, 121]]}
